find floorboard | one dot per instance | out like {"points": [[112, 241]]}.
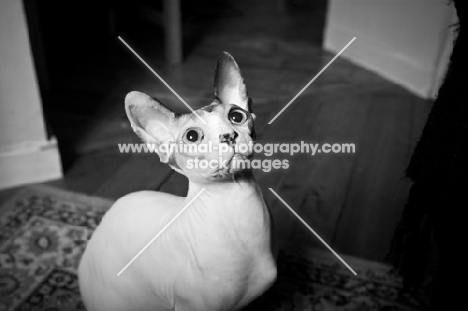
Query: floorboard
{"points": [[353, 200]]}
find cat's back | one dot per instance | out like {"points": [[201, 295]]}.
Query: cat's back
{"points": [[124, 230], [136, 215], [138, 206]]}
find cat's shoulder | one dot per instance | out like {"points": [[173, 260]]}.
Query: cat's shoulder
{"points": [[144, 200], [147, 196]]}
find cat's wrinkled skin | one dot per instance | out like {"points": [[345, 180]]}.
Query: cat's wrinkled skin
{"points": [[217, 255]]}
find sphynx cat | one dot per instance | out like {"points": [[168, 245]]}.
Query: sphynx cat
{"points": [[217, 255]]}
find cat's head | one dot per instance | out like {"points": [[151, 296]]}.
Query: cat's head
{"points": [[203, 151]]}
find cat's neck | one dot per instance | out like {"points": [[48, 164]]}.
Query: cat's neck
{"points": [[242, 180], [229, 209], [221, 196]]}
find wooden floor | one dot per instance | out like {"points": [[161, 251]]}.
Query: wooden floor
{"points": [[353, 201]]}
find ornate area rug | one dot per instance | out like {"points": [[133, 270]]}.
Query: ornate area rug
{"points": [[43, 232], [314, 280]]}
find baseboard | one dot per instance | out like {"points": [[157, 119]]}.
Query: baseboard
{"points": [[29, 162], [390, 64]]}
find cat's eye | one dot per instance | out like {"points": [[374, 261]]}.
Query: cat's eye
{"points": [[237, 116], [193, 136]]}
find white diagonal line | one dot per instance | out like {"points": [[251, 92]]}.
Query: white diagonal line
{"points": [[313, 79], [312, 230], [160, 232], [162, 80]]}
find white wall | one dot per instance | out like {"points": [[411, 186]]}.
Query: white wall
{"points": [[405, 41], [26, 155]]}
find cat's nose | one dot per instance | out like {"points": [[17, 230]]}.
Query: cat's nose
{"points": [[229, 138]]}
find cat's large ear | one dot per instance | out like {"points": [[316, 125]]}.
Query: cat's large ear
{"points": [[229, 86], [152, 122]]}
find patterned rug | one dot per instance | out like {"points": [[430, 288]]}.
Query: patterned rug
{"points": [[43, 232], [314, 280]]}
